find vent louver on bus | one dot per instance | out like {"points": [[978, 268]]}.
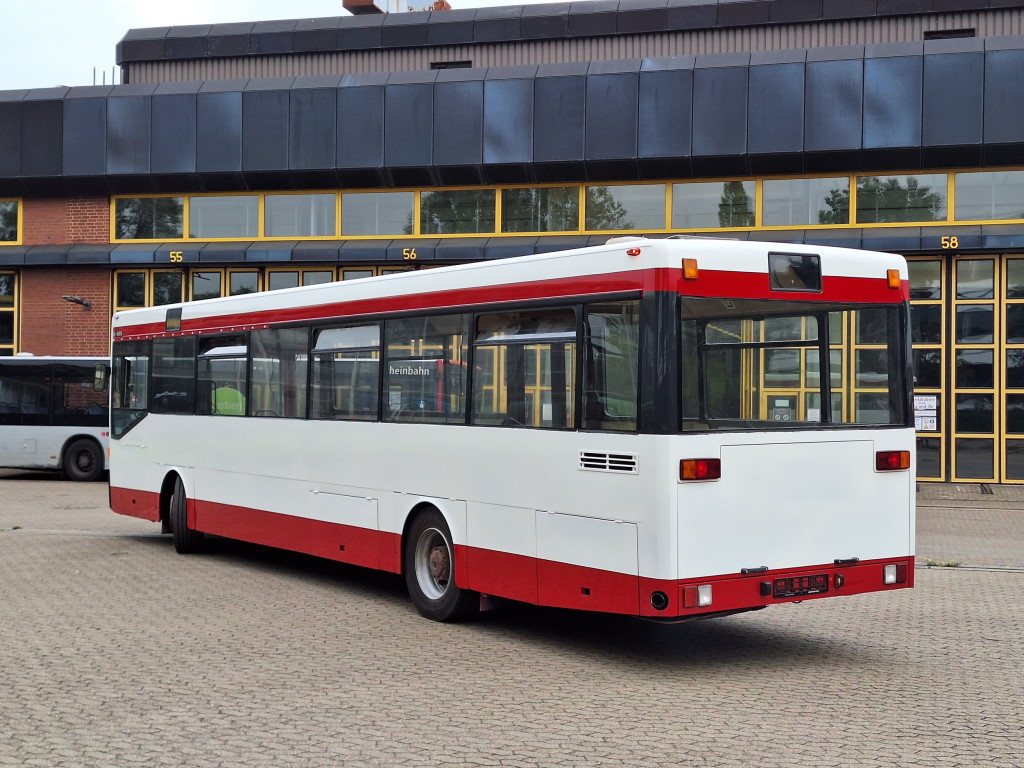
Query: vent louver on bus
{"points": [[599, 461]]}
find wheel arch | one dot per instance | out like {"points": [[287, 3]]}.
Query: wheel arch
{"points": [[166, 489], [454, 514]]}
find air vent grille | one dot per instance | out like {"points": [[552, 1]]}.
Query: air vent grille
{"points": [[600, 461]]}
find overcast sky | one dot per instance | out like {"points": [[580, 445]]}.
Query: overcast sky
{"points": [[69, 42]]}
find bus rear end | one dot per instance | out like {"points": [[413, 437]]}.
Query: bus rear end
{"points": [[794, 464]]}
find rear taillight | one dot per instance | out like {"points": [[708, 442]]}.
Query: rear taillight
{"points": [[700, 469], [894, 573], [887, 461], [697, 597]]}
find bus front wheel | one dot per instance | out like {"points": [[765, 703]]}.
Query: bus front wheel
{"points": [[186, 540], [429, 567], [83, 461]]}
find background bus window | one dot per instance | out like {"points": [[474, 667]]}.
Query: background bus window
{"points": [[130, 389], [278, 372], [613, 354], [527, 361], [346, 373], [425, 375], [222, 379]]}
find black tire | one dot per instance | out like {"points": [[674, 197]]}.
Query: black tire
{"points": [[428, 562], [186, 540], [83, 461]]}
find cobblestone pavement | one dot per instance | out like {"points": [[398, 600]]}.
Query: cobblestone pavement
{"points": [[115, 651]]}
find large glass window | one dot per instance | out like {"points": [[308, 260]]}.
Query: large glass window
{"points": [[222, 376], [540, 209], [174, 370], [346, 373], [277, 372], [231, 216], [149, 218], [425, 374], [632, 206], [524, 369], [457, 212], [610, 391], [206, 285], [300, 215], [129, 290], [713, 205], [757, 365], [805, 202], [8, 312], [887, 199], [8, 221], [377, 213], [130, 388], [989, 195]]}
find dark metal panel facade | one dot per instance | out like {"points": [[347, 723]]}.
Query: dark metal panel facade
{"points": [[360, 147], [953, 85], [833, 114], [265, 136], [173, 136], [219, 139], [775, 118], [42, 138], [665, 97], [612, 111], [508, 130], [719, 117], [408, 133], [129, 121], [458, 132], [84, 135], [892, 112], [559, 115], [312, 136]]}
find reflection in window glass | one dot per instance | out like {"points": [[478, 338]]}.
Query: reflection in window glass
{"points": [[317, 276], [8, 221], [613, 352], [926, 323], [989, 195], [425, 374], [130, 289], [801, 202], [1015, 414], [974, 458], [6, 289], [7, 328], [925, 279], [1015, 324], [975, 279], [222, 376], [148, 218], [457, 212], [167, 288], [540, 209], [205, 285], [974, 413], [974, 369], [278, 280], [974, 324], [872, 367], [376, 213], [634, 206], [240, 283], [927, 368], [227, 216], [1015, 459], [1015, 278], [277, 372], [713, 204], [1015, 368], [884, 199], [299, 215], [345, 376]]}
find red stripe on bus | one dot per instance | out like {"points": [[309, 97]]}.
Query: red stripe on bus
{"points": [[711, 283], [516, 577]]}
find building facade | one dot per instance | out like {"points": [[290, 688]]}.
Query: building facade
{"points": [[261, 155]]}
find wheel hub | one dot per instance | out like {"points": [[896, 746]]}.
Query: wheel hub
{"points": [[440, 563]]}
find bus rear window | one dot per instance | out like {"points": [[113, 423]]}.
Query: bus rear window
{"points": [[769, 365]]}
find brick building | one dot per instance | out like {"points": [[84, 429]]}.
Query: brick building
{"points": [[260, 155]]}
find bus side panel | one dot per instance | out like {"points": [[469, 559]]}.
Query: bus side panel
{"points": [[135, 503], [502, 553], [344, 528], [501, 574], [253, 525], [587, 563]]}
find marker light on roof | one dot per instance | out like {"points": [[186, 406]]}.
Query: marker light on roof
{"points": [[894, 278], [633, 252], [690, 269]]}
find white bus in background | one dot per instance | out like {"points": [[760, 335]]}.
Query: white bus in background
{"points": [[672, 429], [53, 415]]}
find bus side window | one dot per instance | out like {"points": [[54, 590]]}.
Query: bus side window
{"points": [[610, 394], [345, 374], [277, 372], [425, 374], [222, 378]]}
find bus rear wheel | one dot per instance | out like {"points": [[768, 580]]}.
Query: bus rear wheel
{"points": [[186, 540], [83, 461], [429, 567]]}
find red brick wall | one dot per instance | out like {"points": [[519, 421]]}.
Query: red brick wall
{"points": [[52, 326], [62, 220]]}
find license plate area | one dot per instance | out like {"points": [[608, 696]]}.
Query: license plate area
{"points": [[797, 586]]}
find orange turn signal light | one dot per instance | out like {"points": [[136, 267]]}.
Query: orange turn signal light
{"points": [[700, 469], [894, 278], [690, 269], [887, 461]]}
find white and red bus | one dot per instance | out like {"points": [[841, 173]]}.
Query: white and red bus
{"points": [[671, 428], [54, 415]]}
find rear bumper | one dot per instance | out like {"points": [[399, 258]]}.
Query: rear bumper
{"points": [[732, 593]]}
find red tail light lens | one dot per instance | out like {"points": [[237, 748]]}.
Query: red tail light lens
{"points": [[700, 469], [887, 461]]}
